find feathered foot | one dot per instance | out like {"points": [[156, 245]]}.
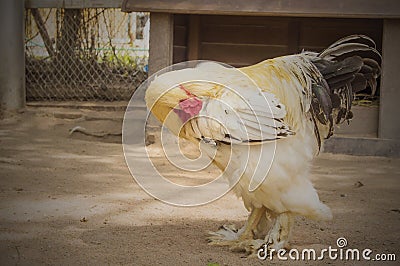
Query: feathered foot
{"points": [[241, 240], [279, 235], [225, 236]]}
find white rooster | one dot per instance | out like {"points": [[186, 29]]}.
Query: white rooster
{"points": [[265, 134]]}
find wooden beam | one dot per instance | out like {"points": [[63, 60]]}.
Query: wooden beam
{"points": [[306, 8], [389, 126], [73, 4], [161, 41], [194, 37]]}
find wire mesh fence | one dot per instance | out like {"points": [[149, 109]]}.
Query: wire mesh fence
{"points": [[84, 54]]}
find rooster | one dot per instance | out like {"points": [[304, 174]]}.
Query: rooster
{"points": [[263, 125]]}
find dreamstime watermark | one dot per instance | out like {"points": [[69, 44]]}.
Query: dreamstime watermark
{"points": [[340, 252], [136, 120]]}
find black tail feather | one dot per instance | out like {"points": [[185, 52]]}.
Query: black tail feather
{"points": [[357, 38], [348, 66], [359, 82]]}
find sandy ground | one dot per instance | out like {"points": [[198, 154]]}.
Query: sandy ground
{"points": [[71, 200]]}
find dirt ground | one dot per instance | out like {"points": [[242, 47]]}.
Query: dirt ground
{"points": [[70, 200]]}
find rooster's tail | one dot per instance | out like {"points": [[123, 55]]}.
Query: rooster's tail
{"points": [[349, 65]]}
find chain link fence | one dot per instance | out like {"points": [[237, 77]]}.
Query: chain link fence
{"points": [[84, 54]]}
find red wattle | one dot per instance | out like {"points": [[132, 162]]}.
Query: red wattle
{"points": [[191, 106]]}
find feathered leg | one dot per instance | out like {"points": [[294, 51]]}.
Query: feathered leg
{"points": [[252, 222], [238, 240], [279, 235]]}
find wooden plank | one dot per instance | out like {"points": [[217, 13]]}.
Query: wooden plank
{"points": [[319, 33], [194, 37], [181, 20], [246, 34], [257, 32], [308, 8], [180, 35], [73, 4], [293, 33], [180, 53], [181, 23], [389, 126], [240, 55], [241, 40], [244, 20]]}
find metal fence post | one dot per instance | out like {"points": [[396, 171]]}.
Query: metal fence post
{"points": [[12, 64]]}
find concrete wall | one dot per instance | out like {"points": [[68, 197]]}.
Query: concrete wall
{"points": [[363, 125], [12, 67], [389, 120]]}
